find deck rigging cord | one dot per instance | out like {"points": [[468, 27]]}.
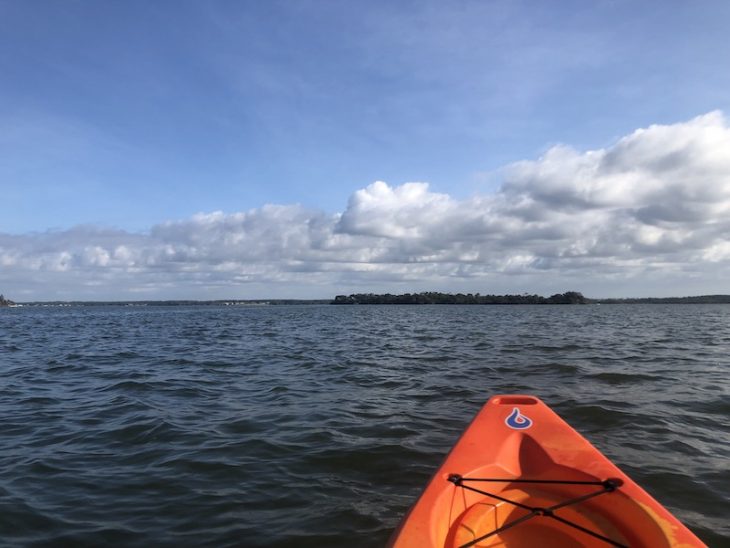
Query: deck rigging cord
{"points": [[607, 486]]}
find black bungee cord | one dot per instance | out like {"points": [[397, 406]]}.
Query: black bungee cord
{"points": [[607, 486]]}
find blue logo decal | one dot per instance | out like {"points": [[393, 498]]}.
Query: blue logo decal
{"points": [[517, 420]]}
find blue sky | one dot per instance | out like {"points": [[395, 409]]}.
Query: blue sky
{"points": [[124, 116]]}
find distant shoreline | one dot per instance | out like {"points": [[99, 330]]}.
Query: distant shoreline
{"points": [[569, 297], [699, 299], [425, 298], [186, 302]]}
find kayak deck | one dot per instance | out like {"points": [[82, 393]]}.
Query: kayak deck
{"points": [[492, 521], [521, 476]]}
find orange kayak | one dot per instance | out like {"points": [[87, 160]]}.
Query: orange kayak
{"points": [[521, 476]]}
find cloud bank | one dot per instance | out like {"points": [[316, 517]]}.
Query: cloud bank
{"points": [[648, 215]]}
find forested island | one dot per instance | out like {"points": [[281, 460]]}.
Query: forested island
{"points": [[569, 297], [5, 302], [432, 297]]}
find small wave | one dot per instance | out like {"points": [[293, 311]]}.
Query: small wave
{"points": [[617, 378], [714, 406], [555, 367], [130, 386], [141, 433]]}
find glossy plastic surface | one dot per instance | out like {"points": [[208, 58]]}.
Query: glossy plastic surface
{"points": [[519, 437]]}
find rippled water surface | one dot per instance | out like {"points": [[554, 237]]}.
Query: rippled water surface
{"points": [[318, 425]]}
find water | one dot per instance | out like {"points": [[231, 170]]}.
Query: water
{"points": [[318, 425]]}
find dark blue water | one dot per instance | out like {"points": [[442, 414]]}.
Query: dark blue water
{"points": [[318, 425]]}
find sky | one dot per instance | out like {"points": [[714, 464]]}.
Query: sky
{"points": [[304, 149]]}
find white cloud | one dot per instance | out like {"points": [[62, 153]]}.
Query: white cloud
{"points": [[406, 212], [654, 207]]}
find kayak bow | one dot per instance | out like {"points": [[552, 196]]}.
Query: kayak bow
{"points": [[521, 476]]}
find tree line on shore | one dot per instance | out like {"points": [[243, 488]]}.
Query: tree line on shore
{"points": [[433, 297]]}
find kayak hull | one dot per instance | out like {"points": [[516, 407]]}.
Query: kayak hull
{"points": [[521, 476]]}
